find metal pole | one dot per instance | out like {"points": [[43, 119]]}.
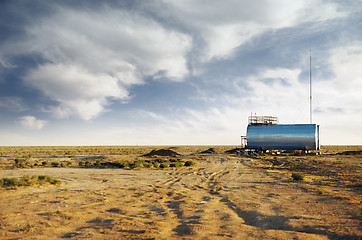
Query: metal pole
{"points": [[310, 86]]}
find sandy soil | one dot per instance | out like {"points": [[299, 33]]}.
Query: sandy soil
{"points": [[222, 197]]}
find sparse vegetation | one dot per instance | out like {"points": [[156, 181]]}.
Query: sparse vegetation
{"points": [[26, 180], [321, 191], [159, 160], [189, 163], [155, 164], [176, 164], [163, 165], [297, 176], [45, 163], [117, 164], [55, 164], [98, 163], [19, 163], [135, 164], [138, 163]]}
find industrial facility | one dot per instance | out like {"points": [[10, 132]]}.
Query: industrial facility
{"points": [[264, 133]]}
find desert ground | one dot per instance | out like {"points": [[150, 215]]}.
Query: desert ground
{"points": [[222, 196]]}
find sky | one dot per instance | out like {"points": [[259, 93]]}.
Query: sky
{"points": [[171, 72]]}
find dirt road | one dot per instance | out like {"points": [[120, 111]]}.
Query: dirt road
{"points": [[222, 197]]}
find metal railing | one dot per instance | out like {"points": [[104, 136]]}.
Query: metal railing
{"points": [[263, 120]]}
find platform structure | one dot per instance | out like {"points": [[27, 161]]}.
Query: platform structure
{"points": [[263, 120]]}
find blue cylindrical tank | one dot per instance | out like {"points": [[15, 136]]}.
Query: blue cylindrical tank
{"points": [[283, 136]]}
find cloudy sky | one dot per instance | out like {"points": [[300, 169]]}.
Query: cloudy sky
{"points": [[162, 72]]}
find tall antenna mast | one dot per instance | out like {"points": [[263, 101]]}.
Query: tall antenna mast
{"points": [[310, 85]]}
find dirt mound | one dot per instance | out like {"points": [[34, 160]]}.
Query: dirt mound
{"points": [[234, 151], [162, 152], [208, 151]]}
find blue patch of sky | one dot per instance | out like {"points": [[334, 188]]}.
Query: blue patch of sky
{"points": [[14, 86], [160, 96], [14, 17]]}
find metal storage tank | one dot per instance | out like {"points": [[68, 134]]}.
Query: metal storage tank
{"points": [[283, 136]]}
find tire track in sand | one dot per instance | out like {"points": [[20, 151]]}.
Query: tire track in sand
{"points": [[194, 207]]}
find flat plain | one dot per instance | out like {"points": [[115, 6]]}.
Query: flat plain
{"points": [[223, 196]]}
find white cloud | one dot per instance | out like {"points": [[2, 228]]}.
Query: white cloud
{"points": [[31, 122], [343, 91], [338, 99], [225, 25], [319, 11], [278, 92], [109, 40], [77, 90], [224, 38], [94, 56]]}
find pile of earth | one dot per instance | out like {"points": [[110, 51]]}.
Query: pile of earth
{"points": [[209, 151], [162, 152], [234, 151]]}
